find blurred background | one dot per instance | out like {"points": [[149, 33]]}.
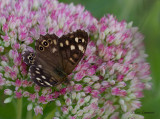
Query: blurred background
{"points": [[146, 15]]}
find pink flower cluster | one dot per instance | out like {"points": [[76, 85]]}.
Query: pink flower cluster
{"points": [[107, 83]]}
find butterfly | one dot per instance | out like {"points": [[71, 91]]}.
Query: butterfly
{"points": [[55, 58]]}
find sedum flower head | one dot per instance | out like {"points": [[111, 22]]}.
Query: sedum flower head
{"points": [[107, 83]]}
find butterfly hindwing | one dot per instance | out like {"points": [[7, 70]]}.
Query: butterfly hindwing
{"points": [[28, 58], [41, 78]]}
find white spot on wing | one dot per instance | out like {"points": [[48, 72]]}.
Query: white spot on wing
{"points": [[47, 83], [67, 42], [71, 35], [72, 47], [42, 83], [71, 60], [40, 66], [38, 79], [37, 72], [83, 40], [81, 48], [55, 42], [43, 77], [61, 44], [54, 50], [76, 39]]}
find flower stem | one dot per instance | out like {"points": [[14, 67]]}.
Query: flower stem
{"points": [[19, 108], [37, 116], [29, 115]]}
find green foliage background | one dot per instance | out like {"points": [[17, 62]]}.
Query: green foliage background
{"points": [[146, 15]]}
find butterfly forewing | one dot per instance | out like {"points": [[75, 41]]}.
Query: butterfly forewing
{"points": [[48, 50], [55, 58], [72, 49], [49, 59]]}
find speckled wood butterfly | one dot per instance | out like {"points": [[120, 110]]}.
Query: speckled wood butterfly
{"points": [[55, 58]]}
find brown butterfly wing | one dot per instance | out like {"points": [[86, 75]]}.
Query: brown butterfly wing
{"points": [[55, 57], [72, 49], [46, 68], [47, 49]]}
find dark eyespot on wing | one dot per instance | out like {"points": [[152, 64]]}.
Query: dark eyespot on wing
{"points": [[28, 57]]}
